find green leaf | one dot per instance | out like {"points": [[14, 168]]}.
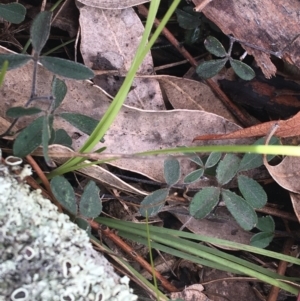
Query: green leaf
{"points": [[194, 176], [251, 161], [84, 123], [214, 46], [90, 203], [64, 193], [191, 36], [13, 12], [84, 225], [171, 171], [29, 139], [261, 240], [3, 72], [204, 202], [212, 159], [46, 134], [197, 160], [153, 202], [62, 138], [59, 91], [66, 68], [17, 112], [243, 213], [186, 20], [14, 60], [266, 224], [227, 168], [253, 193], [210, 68], [40, 30], [242, 70]]}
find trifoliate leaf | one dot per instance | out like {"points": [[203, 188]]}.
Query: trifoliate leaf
{"points": [[29, 139], [244, 71], [214, 46], [243, 213], [194, 176], [171, 171], [210, 68], [90, 203], [40, 29], [64, 193], [204, 202], [227, 168], [84, 123], [17, 112], [252, 192], [153, 202], [14, 60], [13, 12], [262, 239], [66, 68]]}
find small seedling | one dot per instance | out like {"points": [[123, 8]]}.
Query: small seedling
{"points": [[211, 68]]}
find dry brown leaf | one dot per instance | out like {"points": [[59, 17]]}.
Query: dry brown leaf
{"points": [[223, 227], [109, 40], [191, 293], [295, 198], [286, 128], [286, 173], [112, 4], [133, 130], [192, 95], [246, 21]]}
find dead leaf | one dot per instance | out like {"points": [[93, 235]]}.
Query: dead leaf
{"points": [[295, 198], [286, 173], [133, 130], [246, 21], [109, 40], [191, 293], [286, 128], [112, 4], [223, 226], [192, 95]]}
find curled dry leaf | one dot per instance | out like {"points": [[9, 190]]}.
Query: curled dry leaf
{"points": [[295, 198], [286, 128]]}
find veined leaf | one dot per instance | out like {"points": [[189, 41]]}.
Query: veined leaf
{"points": [[204, 202], [243, 213], [64, 193], [13, 12], [194, 176], [59, 91], [14, 60], [212, 159], [84, 123], [227, 168], [153, 202], [17, 112], [171, 171], [214, 46], [29, 139], [66, 68], [210, 68], [242, 70], [40, 29]]}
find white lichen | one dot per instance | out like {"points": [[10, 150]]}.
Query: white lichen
{"points": [[44, 256]]}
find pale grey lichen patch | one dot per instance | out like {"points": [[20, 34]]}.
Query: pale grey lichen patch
{"points": [[44, 256]]}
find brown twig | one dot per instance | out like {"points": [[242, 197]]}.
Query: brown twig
{"points": [[243, 119], [131, 252], [44, 180]]}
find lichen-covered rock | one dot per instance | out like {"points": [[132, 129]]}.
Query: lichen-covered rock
{"points": [[44, 256]]}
